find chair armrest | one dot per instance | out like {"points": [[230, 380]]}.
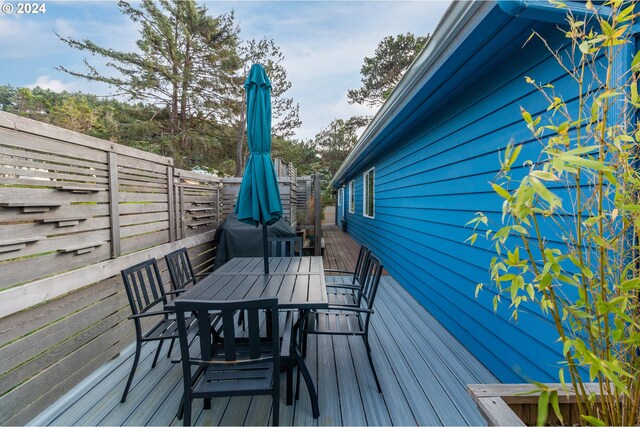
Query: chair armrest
{"points": [[345, 286], [149, 314], [175, 292], [354, 309], [339, 271], [202, 275]]}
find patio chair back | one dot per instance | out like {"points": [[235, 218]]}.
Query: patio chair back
{"points": [[180, 269], [350, 320], [363, 256], [243, 364], [371, 279], [144, 288], [285, 246], [143, 285]]}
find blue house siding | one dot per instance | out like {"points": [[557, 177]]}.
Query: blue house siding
{"points": [[433, 180], [340, 205]]}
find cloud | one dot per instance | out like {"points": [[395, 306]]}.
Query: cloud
{"points": [[324, 44], [46, 82]]}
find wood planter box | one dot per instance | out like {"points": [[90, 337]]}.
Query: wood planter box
{"points": [[507, 405]]}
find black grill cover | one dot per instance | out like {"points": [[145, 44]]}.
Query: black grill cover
{"points": [[238, 239]]}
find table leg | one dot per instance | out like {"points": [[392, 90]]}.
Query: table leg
{"points": [[300, 362]]}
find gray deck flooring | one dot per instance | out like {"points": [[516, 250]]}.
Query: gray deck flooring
{"points": [[423, 371]]}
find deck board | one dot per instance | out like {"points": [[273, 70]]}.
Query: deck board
{"points": [[423, 371], [341, 252]]}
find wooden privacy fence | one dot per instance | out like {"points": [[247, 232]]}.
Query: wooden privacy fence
{"points": [[68, 200], [288, 196], [74, 211]]}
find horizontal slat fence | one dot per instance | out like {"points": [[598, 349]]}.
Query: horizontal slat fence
{"points": [[197, 203], [74, 211], [288, 196], [304, 185]]}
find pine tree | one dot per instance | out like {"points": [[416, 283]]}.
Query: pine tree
{"points": [[382, 72], [187, 64], [285, 112]]}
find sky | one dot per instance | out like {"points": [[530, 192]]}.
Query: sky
{"points": [[324, 43]]}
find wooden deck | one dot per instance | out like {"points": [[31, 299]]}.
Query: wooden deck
{"points": [[341, 252], [423, 371]]}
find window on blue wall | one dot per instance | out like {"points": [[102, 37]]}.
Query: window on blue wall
{"points": [[340, 197], [352, 197], [368, 198]]}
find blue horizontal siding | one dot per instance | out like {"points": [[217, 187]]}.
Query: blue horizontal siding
{"points": [[434, 180]]}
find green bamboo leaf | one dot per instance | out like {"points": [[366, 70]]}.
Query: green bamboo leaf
{"points": [[520, 229], [609, 94], [471, 239], [626, 14], [543, 408], [501, 191], [631, 284], [530, 291], [584, 163], [478, 289], [634, 93], [584, 48], [601, 242], [553, 398], [606, 28], [635, 63], [514, 154], [593, 420], [544, 192], [562, 381], [583, 150], [546, 176]]}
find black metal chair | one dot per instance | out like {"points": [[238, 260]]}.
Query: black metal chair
{"points": [[343, 320], [232, 366], [147, 298], [181, 270], [285, 246], [345, 293]]}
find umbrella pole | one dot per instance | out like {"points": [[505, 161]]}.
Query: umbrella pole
{"points": [[265, 246]]}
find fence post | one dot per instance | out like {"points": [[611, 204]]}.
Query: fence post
{"points": [[172, 219], [181, 212], [317, 246], [218, 205], [114, 205]]}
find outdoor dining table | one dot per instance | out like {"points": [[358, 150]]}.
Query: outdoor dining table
{"points": [[297, 282]]}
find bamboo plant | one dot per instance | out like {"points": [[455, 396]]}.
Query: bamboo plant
{"points": [[567, 242]]}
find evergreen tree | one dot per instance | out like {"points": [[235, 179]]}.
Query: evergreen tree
{"points": [[336, 140], [302, 154], [285, 113], [382, 72], [187, 65]]}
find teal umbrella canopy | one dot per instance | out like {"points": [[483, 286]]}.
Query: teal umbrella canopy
{"points": [[259, 197]]}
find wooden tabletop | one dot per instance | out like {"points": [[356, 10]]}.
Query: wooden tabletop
{"points": [[298, 282]]}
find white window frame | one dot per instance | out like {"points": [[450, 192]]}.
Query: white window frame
{"points": [[340, 196], [352, 195], [365, 195]]}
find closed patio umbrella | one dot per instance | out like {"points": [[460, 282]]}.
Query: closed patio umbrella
{"points": [[259, 197]]}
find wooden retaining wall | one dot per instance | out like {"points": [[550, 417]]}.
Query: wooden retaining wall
{"points": [[74, 211]]}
